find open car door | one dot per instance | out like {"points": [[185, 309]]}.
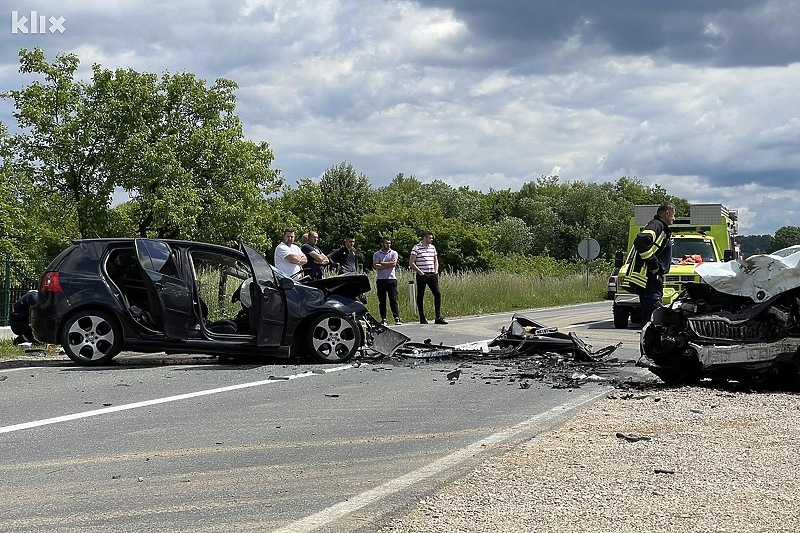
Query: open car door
{"points": [[169, 296], [268, 309]]}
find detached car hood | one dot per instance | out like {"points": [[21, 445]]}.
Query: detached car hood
{"points": [[347, 285], [759, 277]]}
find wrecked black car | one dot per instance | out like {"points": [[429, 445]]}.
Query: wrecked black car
{"points": [[742, 323], [102, 296]]}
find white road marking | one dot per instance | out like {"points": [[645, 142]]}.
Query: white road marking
{"points": [[147, 403], [390, 488]]}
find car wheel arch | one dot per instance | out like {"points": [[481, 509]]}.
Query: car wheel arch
{"points": [[97, 315], [302, 343]]}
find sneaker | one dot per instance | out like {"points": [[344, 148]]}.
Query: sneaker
{"points": [[441, 320], [383, 321], [423, 321], [398, 322]]}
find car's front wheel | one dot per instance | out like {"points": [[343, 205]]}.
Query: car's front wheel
{"points": [[333, 338], [91, 337]]}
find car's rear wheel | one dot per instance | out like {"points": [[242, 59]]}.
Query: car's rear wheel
{"points": [[91, 337], [333, 338]]}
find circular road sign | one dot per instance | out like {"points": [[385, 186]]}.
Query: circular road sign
{"points": [[589, 249]]}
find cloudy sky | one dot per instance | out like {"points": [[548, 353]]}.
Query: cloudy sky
{"points": [[699, 96]]}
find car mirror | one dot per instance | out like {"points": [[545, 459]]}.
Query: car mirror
{"points": [[729, 255], [619, 257]]}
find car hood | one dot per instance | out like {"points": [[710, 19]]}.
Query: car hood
{"points": [[347, 285], [758, 277]]}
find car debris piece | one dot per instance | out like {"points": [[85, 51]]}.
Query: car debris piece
{"points": [[742, 323], [526, 335], [383, 339], [525, 350]]}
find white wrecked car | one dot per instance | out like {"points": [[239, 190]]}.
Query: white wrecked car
{"points": [[742, 323]]}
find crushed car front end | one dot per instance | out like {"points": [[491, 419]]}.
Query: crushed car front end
{"points": [[742, 324]]}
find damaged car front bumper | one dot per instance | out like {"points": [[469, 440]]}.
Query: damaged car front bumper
{"points": [[742, 324]]}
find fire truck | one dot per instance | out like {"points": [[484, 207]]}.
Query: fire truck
{"points": [[707, 234]]}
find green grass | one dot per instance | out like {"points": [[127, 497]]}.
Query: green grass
{"points": [[475, 293], [471, 293], [9, 350]]}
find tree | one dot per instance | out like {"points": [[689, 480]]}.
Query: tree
{"points": [[174, 144], [346, 198], [511, 235], [753, 244], [60, 145], [784, 237], [191, 173]]}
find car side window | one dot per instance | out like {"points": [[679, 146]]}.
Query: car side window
{"points": [[159, 258]]}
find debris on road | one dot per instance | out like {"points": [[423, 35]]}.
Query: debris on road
{"points": [[526, 350]]}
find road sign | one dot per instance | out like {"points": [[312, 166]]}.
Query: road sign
{"points": [[589, 249]]}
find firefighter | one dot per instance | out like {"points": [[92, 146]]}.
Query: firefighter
{"points": [[653, 247]]}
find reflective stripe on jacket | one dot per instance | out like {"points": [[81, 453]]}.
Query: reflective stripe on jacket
{"points": [[652, 244]]}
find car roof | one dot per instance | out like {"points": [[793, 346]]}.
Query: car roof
{"points": [[130, 240]]}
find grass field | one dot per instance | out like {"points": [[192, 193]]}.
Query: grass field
{"points": [[493, 292], [472, 294]]}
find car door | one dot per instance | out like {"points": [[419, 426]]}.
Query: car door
{"points": [[269, 301], [169, 295]]}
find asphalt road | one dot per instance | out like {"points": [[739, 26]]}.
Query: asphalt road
{"points": [[185, 444]]}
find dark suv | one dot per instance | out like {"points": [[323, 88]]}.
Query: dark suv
{"points": [[100, 296]]}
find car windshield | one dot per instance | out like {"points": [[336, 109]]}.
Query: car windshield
{"points": [[682, 248]]}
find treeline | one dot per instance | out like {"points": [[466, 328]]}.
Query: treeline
{"points": [[174, 144]]}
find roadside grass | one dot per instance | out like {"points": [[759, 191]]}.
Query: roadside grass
{"points": [[474, 293], [467, 294], [9, 350]]}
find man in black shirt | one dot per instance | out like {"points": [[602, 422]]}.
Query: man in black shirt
{"points": [[346, 256], [317, 261]]}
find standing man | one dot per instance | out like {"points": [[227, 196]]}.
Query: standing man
{"points": [[316, 260], [346, 256], [424, 262], [288, 257], [653, 258], [384, 261]]}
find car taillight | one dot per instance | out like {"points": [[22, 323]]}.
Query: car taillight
{"points": [[50, 283]]}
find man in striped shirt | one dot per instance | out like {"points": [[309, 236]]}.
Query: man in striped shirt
{"points": [[424, 261]]}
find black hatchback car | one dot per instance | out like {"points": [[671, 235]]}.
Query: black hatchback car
{"points": [[100, 296]]}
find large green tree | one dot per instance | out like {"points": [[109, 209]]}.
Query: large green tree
{"points": [[347, 197], [784, 237], [172, 142], [61, 145], [186, 164]]}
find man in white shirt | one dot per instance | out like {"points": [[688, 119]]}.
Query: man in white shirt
{"points": [[288, 256], [424, 261]]}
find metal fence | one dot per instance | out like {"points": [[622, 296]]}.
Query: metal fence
{"points": [[17, 277]]}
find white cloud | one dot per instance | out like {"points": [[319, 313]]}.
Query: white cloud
{"points": [[484, 95]]}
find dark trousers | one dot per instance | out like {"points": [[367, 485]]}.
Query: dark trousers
{"points": [[430, 280], [650, 299], [387, 287]]}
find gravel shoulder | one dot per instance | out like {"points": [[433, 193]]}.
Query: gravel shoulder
{"points": [[665, 459]]}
